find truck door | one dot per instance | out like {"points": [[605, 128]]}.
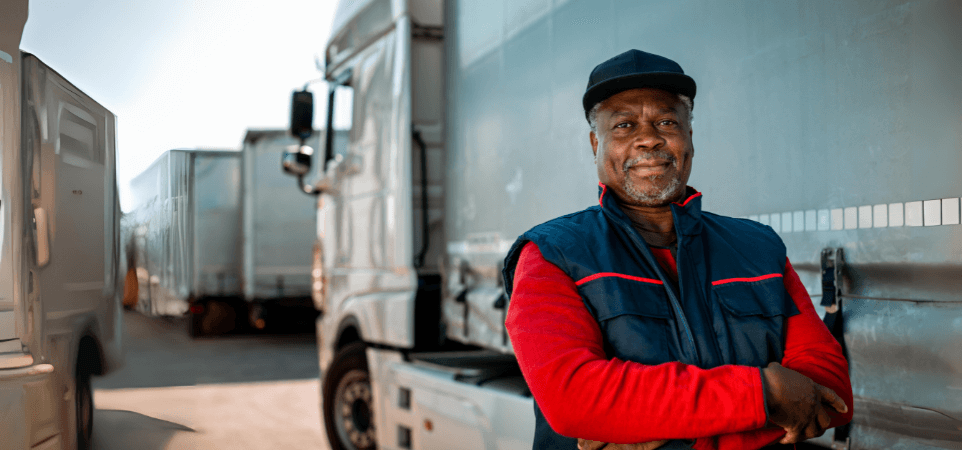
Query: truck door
{"points": [[366, 221], [74, 185]]}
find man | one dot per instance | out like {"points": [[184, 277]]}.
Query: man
{"points": [[647, 321]]}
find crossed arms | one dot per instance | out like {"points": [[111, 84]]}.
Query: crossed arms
{"points": [[559, 347]]}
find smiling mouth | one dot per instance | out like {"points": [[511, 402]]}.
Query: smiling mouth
{"points": [[648, 167]]}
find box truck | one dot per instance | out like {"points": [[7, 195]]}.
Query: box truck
{"points": [[834, 124], [60, 270]]}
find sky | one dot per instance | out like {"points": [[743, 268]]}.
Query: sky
{"points": [[183, 73]]}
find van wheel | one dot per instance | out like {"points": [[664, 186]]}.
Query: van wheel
{"points": [[348, 401], [84, 405]]}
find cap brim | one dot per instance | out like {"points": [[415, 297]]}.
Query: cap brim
{"points": [[669, 81]]}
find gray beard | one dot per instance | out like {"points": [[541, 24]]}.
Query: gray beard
{"points": [[661, 196]]}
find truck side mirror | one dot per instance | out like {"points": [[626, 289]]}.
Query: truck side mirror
{"points": [[297, 160], [302, 114]]}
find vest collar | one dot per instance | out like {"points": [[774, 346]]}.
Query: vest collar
{"points": [[687, 214]]}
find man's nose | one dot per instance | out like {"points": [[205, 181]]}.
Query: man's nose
{"points": [[648, 136]]}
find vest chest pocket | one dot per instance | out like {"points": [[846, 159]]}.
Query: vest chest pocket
{"points": [[750, 323], [634, 319]]}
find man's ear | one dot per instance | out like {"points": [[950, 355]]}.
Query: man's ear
{"points": [[594, 143]]}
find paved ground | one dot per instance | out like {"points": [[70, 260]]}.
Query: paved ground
{"points": [[230, 392]]}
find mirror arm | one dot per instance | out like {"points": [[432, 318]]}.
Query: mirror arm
{"points": [[307, 188]]}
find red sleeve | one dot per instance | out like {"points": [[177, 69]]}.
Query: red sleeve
{"points": [[582, 394], [811, 350]]}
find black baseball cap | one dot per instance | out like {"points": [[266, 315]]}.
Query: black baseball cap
{"points": [[635, 69]]}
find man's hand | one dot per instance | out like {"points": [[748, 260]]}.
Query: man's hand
{"points": [[584, 444], [798, 404]]}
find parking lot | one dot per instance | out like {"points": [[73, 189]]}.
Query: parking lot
{"points": [[226, 392]]}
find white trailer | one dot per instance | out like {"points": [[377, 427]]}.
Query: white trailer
{"points": [[277, 231], [835, 124], [185, 228], [214, 238], [60, 271]]}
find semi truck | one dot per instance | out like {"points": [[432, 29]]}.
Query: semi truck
{"points": [[835, 124], [214, 241], [60, 270]]}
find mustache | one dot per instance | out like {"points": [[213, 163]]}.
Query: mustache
{"points": [[656, 154]]}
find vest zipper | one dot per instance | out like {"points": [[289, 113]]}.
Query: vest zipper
{"points": [[675, 303]]}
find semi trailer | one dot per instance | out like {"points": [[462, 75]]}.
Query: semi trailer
{"points": [[60, 270], [836, 124], [214, 240], [276, 233], [184, 227]]}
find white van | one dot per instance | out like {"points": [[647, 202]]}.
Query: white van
{"points": [[60, 283]]}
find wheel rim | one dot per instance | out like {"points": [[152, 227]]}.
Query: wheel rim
{"points": [[354, 412]]}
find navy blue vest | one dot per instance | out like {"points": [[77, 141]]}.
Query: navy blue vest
{"points": [[729, 306]]}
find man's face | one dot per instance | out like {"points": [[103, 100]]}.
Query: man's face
{"points": [[642, 146]]}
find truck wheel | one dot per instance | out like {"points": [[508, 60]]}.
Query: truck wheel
{"points": [[348, 401], [84, 406]]}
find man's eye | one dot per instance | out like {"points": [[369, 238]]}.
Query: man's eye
{"points": [[667, 122], [623, 125]]}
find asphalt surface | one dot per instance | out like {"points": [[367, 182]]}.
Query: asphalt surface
{"points": [[226, 392]]}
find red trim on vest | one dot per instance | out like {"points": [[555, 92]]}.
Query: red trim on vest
{"points": [[617, 275], [601, 198], [746, 280], [697, 194]]}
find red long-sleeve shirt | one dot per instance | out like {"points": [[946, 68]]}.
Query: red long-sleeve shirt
{"points": [[583, 394]]}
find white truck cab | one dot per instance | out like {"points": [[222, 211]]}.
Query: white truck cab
{"points": [[60, 288]]}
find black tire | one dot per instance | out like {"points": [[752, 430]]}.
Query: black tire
{"points": [[348, 401], [83, 405]]}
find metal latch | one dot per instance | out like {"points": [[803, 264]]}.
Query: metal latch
{"points": [[842, 445], [832, 264], [831, 279]]}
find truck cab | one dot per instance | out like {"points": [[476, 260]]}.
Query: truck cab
{"points": [[60, 271], [386, 360]]}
